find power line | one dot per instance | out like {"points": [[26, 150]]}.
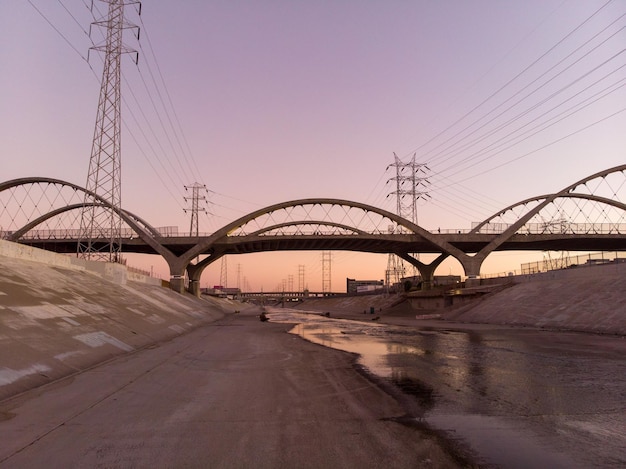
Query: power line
{"points": [[512, 80], [67, 41], [171, 104]]}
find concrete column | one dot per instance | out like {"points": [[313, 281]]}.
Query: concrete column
{"points": [[194, 287], [177, 283], [427, 271], [471, 265], [194, 272], [177, 273], [428, 275]]}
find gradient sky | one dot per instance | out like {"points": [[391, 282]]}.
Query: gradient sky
{"points": [[269, 101]]}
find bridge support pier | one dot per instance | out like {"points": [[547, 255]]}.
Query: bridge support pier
{"points": [[472, 265], [194, 287], [177, 272], [194, 271], [427, 271], [177, 283]]}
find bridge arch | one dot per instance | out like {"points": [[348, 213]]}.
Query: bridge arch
{"points": [[474, 262], [342, 217], [142, 228], [353, 216]]}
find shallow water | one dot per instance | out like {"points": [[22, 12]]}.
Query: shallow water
{"points": [[518, 398]]}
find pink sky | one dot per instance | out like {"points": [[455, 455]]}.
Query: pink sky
{"points": [[282, 100]]}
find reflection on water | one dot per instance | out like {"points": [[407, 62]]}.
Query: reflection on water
{"points": [[517, 399], [351, 336]]}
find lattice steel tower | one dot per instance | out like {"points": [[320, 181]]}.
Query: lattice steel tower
{"points": [[326, 271], [409, 183], [101, 228], [301, 285], [195, 206], [224, 273]]}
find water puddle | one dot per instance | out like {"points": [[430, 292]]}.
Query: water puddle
{"points": [[449, 374]]}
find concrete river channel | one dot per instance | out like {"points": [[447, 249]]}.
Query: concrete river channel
{"points": [[512, 397]]}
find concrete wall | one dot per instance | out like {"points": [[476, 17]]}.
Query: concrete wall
{"points": [[114, 272], [60, 315], [20, 251]]}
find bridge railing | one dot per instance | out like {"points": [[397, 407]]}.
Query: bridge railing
{"points": [[491, 228], [558, 263], [556, 228], [75, 233]]}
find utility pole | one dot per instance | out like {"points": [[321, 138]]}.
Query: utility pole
{"points": [[195, 208], [101, 227], [409, 183]]}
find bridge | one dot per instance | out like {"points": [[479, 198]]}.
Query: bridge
{"points": [[589, 215]]}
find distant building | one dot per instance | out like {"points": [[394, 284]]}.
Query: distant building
{"points": [[362, 286]]}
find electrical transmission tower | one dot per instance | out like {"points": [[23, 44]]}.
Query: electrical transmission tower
{"points": [[101, 227], [395, 267], [409, 183], [326, 271], [224, 273], [301, 285], [195, 206]]}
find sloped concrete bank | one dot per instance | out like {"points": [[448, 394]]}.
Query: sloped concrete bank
{"points": [[586, 299], [60, 315], [361, 304]]}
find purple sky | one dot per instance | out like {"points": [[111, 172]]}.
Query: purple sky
{"points": [[281, 100]]}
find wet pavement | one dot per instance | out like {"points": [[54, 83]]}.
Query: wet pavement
{"points": [[515, 398], [235, 393]]}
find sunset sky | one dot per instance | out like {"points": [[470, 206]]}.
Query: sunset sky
{"points": [[266, 101]]}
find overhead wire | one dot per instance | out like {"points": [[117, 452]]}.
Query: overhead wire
{"points": [[181, 164], [582, 129], [458, 200], [177, 170], [67, 41], [130, 129], [524, 98], [456, 163], [515, 139], [510, 81], [169, 100]]}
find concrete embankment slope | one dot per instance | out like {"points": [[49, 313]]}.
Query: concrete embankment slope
{"points": [[353, 304], [60, 315], [588, 299]]}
